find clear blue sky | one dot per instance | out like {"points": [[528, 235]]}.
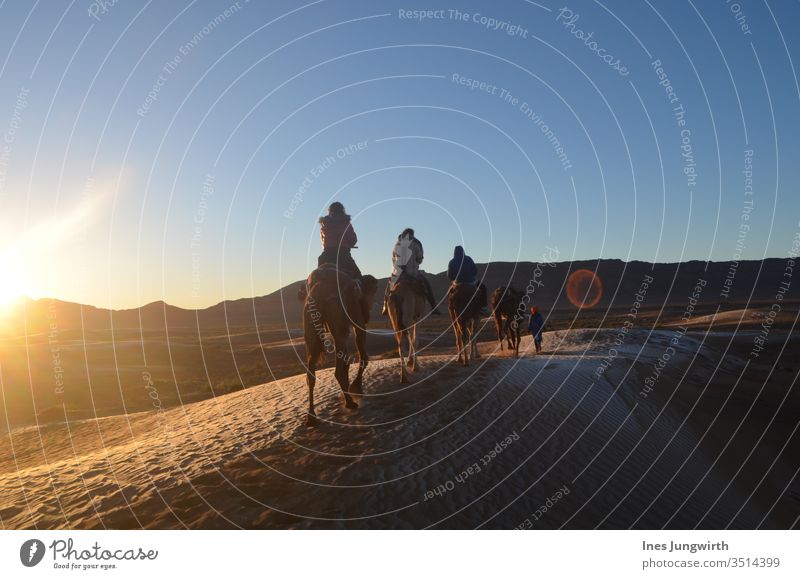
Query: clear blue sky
{"points": [[212, 190]]}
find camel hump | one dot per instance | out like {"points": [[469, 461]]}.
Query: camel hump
{"points": [[499, 294], [329, 273], [505, 294]]}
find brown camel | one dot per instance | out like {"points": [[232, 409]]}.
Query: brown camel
{"points": [[465, 307], [333, 303], [506, 306], [406, 306]]}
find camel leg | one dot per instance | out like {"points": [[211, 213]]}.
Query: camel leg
{"points": [[412, 340], [498, 328], [342, 378], [342, 369], [396, 315], [314, 353], [357, 387], [464, 331], [465, 343], [311, 380], [473, 339], [473, 349], [456, 331], [411, 361], [399, 337], [459, 347], [510, 333]]}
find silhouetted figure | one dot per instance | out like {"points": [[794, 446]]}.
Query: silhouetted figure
{"points": [[338, 238], [535, 327], [462, 269], [407, 255]]}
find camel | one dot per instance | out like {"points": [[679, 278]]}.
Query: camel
{"points": [[465, 307], [333, 303], [507, 318], [406, 305]]}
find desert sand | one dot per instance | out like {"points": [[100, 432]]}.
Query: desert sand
{"points": [[542, 441]]}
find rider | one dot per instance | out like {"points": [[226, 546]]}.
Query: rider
{"points": [[407, 256], [462, 269], [338, 238]]}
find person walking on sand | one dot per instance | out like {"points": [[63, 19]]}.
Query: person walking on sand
{"points": [[338, 237], [407, 255], [535, 327]]}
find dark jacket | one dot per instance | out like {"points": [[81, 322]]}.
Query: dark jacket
{"points": [[336, 232], [535, 325], [461, 268]]}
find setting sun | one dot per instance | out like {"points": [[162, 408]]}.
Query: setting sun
{"points": [[15, 285]]}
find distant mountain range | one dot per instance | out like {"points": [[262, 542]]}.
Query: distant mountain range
{"points": [[672, 284]]}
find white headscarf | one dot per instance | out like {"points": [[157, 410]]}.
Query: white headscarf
{"points": [[403, 256]]}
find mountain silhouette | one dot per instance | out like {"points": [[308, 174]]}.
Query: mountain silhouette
{"points": [[753, 281]]}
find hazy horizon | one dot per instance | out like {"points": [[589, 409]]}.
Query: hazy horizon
{"points": [[205, 306]]}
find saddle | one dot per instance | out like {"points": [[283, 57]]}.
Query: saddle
{"points": [[328, 273], [415, 282], [457, 284]]}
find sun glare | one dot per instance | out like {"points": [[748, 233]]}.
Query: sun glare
{"points": [[13, 288]]}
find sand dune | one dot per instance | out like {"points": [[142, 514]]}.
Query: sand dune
{"points": [[742, 317], [542, 441]]}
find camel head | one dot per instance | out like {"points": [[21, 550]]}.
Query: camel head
{"points": [[369, 285]]}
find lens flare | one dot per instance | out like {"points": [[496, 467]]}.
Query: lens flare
{"points": [[584, 289]]}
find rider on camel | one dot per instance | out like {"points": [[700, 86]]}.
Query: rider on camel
{"points": [[407, 256], [338, 238], [462, 269]]}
